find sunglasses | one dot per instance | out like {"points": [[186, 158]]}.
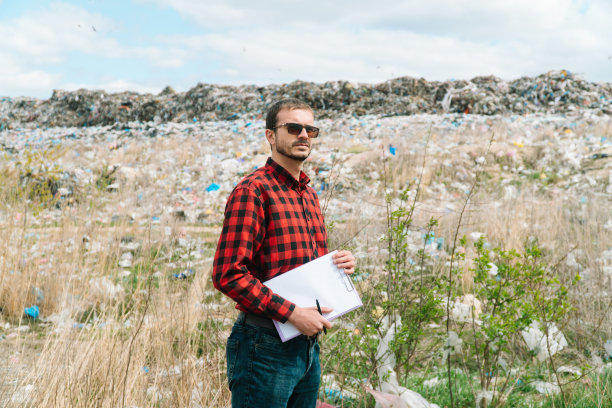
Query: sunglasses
{"points": [[295, 129]]}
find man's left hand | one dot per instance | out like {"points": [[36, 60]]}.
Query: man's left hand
{"points": [[345, 260]]}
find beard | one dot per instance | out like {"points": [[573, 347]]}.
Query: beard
{"points": [[286, 150]]}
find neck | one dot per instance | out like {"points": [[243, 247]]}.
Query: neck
{"points": [[294, 167]]}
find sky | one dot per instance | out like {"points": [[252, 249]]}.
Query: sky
{"points": [[146, 45]]}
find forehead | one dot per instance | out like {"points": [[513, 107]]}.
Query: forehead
{"points": [[303, 116]]}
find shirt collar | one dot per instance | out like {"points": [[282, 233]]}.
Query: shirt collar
{"points": [[283, 176]]}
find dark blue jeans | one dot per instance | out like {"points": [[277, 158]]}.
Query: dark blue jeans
{"points": [[263, 372]]}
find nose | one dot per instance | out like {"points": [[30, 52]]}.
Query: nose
{"points": [[303, 133]]}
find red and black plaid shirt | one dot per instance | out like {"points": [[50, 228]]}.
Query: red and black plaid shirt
{"points": [[273, 223]]}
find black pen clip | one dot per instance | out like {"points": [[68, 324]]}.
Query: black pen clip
{"points": [[319, 309]]}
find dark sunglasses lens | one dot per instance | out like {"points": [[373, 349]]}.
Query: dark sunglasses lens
{"points": [[294, 128], [312, 131]]}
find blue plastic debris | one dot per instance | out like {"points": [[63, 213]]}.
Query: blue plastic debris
{"points": [[429, 237], [392, 150], [184, 275], [213, 187], [32, 311]]}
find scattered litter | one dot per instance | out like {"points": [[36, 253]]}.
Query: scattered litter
{"points": [[332, 389], [40, 296], [197, 394], [391, 394], [569, 370], [484, 398], [608, 348], [545, 388], [126, 260], [23, 394], [104, 288], [184, 275], [171, 372], [452, 345], [541, 344], [408, 399], [213, 187], [156, 396], [466, 309], [475, 236], [32, 312], [432, 382]]}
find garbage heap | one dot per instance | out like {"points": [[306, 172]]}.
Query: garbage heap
{"points": [[555, 92]]}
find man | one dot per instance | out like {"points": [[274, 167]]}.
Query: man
{"points": [[273, 223]]}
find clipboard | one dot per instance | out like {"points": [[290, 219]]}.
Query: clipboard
{"points": [[318, 279]]}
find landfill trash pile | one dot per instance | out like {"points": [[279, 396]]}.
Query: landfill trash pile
{"points": [[555, 92], [184, 171]]}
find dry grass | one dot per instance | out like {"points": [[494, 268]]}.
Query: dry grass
{"points": [[108, 338]]}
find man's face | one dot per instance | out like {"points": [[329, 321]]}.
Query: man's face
{"points": [[294, 147]]}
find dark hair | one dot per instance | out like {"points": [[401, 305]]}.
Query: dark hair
{"points": [[289, 103]]}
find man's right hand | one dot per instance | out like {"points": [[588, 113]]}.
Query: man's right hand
{"points": [[308, 321]]}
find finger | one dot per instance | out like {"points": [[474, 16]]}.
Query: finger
{"points": [[343, 257], [342, 254], [347, 265], [326, 309], [327, 324]]}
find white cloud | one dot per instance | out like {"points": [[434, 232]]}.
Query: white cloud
{"points": [[372, 41], [374, 55], [279, 41], [44, 36], [26, 82], [166, 56]]}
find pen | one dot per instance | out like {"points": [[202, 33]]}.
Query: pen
{"points": [[319, 309]]}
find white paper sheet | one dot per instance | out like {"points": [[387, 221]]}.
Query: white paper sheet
{"points": [[319, 279]]}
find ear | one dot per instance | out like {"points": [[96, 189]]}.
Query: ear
{"points": [[270, 136]]}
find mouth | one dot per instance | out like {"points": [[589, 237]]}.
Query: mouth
{"points": [[302, 145]]}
